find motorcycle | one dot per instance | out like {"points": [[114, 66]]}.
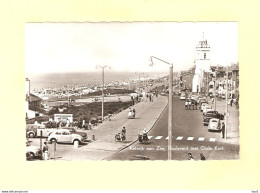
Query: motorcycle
{"points": [[143, 138], [120, 137]]}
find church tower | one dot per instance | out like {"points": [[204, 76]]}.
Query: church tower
{"points": [[202, 63]]}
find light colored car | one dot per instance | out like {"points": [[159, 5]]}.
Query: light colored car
{"points": [[33, 130], [203, 105], [214, 124], [183, 96], [207, 109], [65, 136], [32, 152]]}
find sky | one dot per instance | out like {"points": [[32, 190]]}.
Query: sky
{"points": [[125, 46]]}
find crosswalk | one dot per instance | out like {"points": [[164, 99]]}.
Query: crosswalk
{"points": [[180, 138]]}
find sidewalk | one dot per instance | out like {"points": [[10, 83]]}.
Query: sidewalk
{"points": [[233, 121], [104, 145]]}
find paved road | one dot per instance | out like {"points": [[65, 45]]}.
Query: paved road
{"points": [[189, 135]]}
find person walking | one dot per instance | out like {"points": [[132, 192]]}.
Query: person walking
{"points": [[123, 134], [196, 104], [186, 104], [190, 157], [202, 157], [45, 151], [89, 125], [223, 128]]}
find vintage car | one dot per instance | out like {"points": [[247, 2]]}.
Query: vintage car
{"points": [[65, 136], [183, 96], [32, 152], [73, 130], [214, 124], [203, 105], [34, 130], [207, 109]]}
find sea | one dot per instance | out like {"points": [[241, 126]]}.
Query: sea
{"points": [[55, 80]]}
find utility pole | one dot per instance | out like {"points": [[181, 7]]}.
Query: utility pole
{"points": [[170, 122], [226, 117], [215, 85], [103, 67]]}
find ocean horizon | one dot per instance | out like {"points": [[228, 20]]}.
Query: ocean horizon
{"points": [[51, 80]]}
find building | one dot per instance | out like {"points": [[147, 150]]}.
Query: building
{"points": [[202, 64], [32, 102]]}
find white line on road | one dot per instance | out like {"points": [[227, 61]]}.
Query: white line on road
{"points": [[201, 139], [190, 138], [149, 137], [179, 138], [158, 137], [212, 139]]}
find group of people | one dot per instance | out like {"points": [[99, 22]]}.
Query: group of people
{"points": [[191, 104], [190, 157], [131, 113]]}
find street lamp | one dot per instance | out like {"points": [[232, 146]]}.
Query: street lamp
{"points": [[226, 114], [215, 88], [103, 67], [170, 105]]}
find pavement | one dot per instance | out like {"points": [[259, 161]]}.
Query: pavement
{"points": [[233, 121], [103, 144]]}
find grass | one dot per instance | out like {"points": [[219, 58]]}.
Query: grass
{"points": [[92, 110]]}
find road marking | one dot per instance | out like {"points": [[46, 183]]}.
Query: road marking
{"points": [[149, 137], [201, 139], [212, 139], [158, 137], [190, 138], [179, 138]]}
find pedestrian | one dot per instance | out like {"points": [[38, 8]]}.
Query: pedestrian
{"points": [[150, 97], [190, 157], [45, 151], [196, 104], [231, 101], [223, 128], [83, 123], [189, 104], [67, 123], [123, 134], [89, 125], [202, 157], [186, 104], [137, 98]]}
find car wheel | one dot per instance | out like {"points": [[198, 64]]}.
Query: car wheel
{"points": [[31, 135], [53, 140]]}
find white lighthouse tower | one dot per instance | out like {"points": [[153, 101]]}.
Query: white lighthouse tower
{"points": [[202, 63]]}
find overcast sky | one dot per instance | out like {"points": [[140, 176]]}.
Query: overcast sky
{"points": [[79, 47]]}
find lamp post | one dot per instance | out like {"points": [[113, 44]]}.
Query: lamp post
{"points": [[170, 105], [103, 67], [226, 117], [215, 84]]}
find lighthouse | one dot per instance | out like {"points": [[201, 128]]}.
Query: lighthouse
{"points": [[202, 64]]}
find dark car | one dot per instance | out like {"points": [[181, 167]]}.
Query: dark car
{"points": [[215, 114], [207, 117], [73, 130]]}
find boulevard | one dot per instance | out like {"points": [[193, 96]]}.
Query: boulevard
{"points": [[189, 136]]}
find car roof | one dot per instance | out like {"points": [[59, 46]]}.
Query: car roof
{"points": [[214, 119]]}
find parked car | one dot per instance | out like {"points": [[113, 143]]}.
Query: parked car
{"points": [[204, 104], [214, 124], [183, 96], [65, 136], [206, 109], [214, 114], [73, 130], [33, 130], [32, 152]]}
